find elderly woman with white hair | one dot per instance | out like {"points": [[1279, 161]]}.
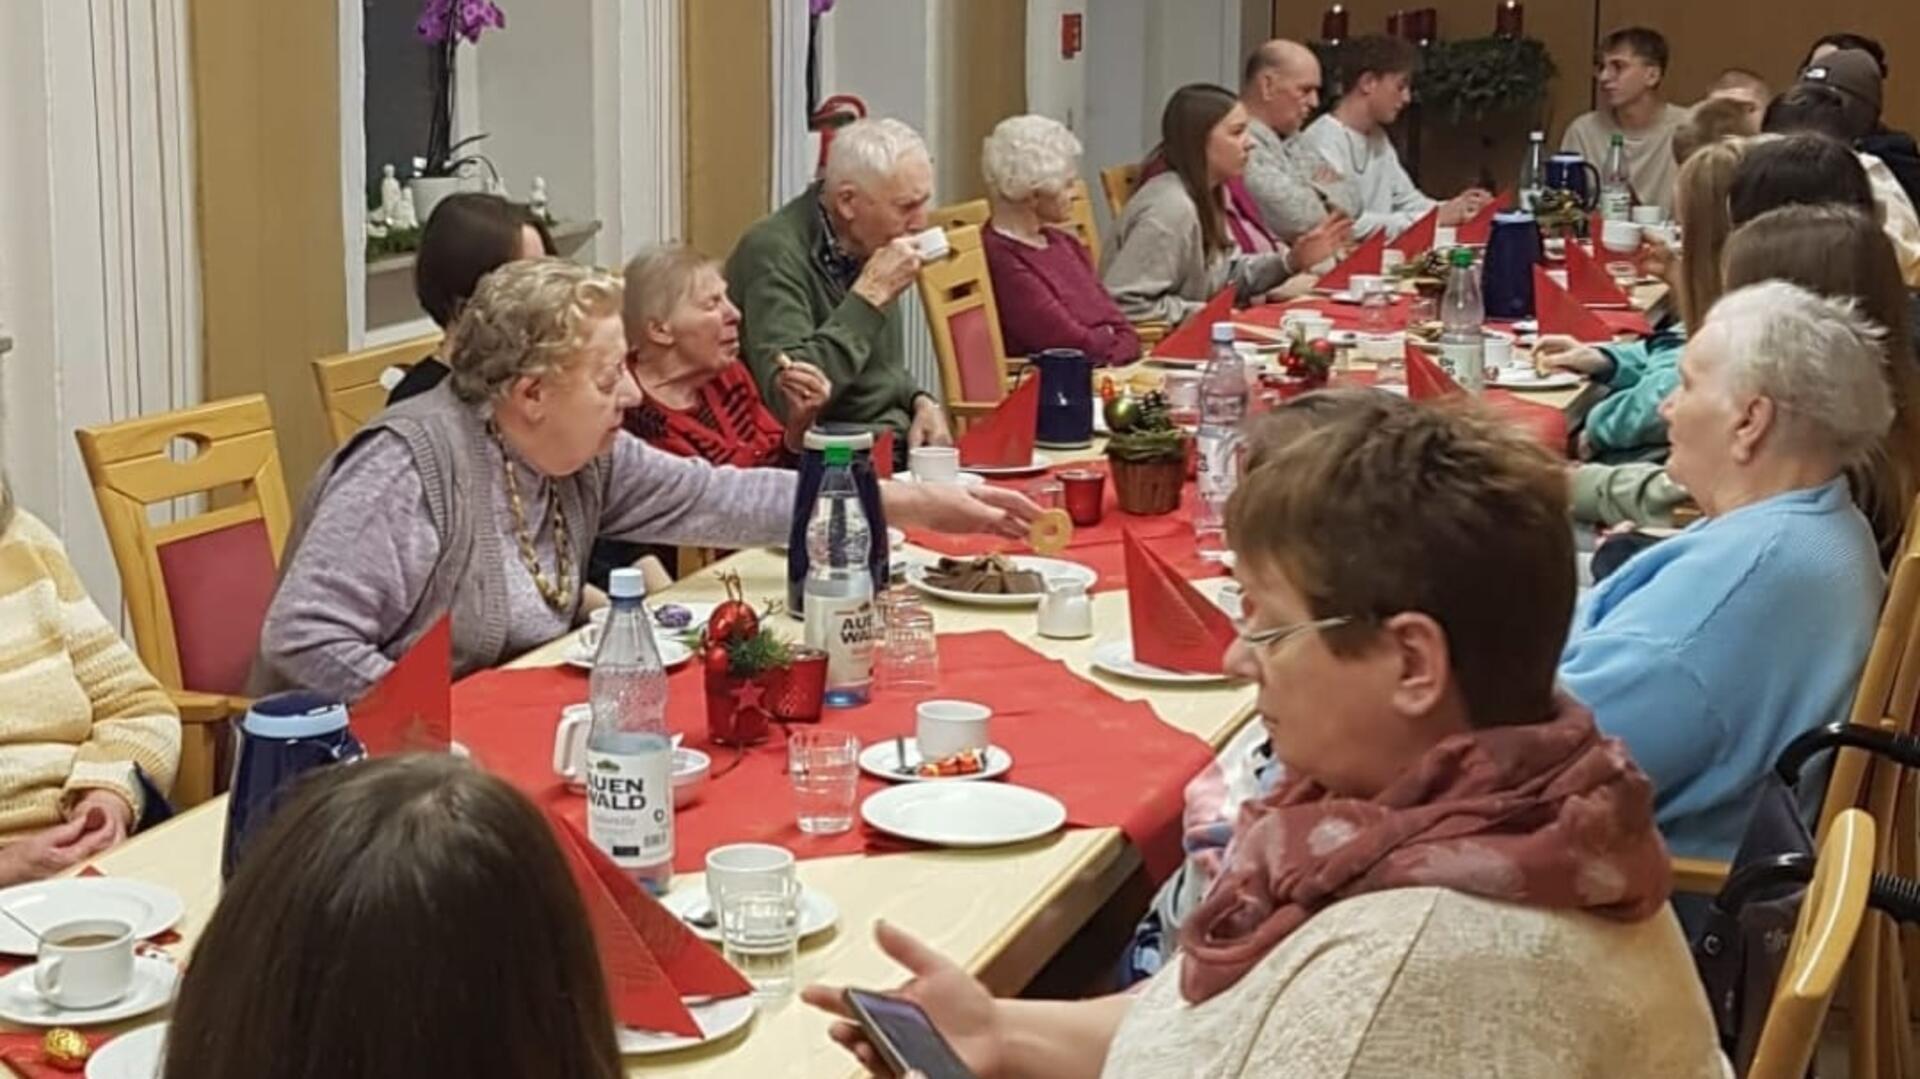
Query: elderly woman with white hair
{"points": [[1044, 282], [1682, 653], [818, 282], [481, 497]]}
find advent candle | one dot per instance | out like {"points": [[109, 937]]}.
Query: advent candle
{"points": [[1509, 18], [1333, 25]]}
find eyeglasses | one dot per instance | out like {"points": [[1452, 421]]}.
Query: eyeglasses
{"points": [[1274, 635]]}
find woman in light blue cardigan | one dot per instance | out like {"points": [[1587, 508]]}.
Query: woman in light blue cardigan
{"points": [[1707, 653]]}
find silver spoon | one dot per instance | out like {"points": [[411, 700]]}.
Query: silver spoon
{"points": [[31, 931]]}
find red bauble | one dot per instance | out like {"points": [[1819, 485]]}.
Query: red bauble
{"points": [[732, 620], [716, 660]]}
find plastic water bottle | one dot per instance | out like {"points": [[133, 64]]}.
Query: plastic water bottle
{"points": [[839, 587], [1223, 405], [1533, 172], [1616, 185], [1463, 342], [629, 764]]}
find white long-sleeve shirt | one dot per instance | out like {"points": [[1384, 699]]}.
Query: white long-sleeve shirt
{"points": [[1371, 186]]}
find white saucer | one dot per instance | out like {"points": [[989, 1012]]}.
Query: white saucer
{"points": [[964, 479], [1039, 463], [672, 652], [818, 912], [964, 814], [881, 759], [1525, 378], [153, 980], [1116, 657], [896, 538], [137, 1054], [148, 908], [716, 1018]]}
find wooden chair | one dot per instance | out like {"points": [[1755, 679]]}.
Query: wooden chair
{"points": [[1823, 940], [1118, 182], [1080, 219], [973, 212], [197, 588], [350, 388], [958, 296]]}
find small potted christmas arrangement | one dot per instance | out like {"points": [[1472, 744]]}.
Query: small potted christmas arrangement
{"points": [[1146, 454], [754, 678], [1561, 213], [1305, 365]]}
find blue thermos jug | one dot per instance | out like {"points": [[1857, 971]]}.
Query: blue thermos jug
{"points": [[1513, 248], [1568, 171], [813, 469], [1066, 399], [282, 737]]}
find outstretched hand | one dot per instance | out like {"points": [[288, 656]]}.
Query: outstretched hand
{"points": [[960, 1007]]}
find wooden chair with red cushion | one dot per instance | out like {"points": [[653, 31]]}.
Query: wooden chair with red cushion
{"points": [[957, 293], [353, 386]]}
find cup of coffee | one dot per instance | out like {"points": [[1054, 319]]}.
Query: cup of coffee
{"points": [[85, 963], [1363, 284], [1310, 324], [943, 728], [934, 464], [1620, 237], [932, 244], [749, 868], [1498, 350], [1649, 215], [570, 744]]}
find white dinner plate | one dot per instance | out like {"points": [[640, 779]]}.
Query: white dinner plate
{"points": [[1039, 463], [896, 538], [882, 759], [964, 479], [137, 1054], [153, 980], [148, 908], [1526, 378], [716, 1017], [1046, 567], [672, 652], [1116, 657], [818, 912], [964, 814]]}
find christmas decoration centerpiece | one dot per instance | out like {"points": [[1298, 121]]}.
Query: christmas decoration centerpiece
{"points": [[754, 677], [1146, 452]]}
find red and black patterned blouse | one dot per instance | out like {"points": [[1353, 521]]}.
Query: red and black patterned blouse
{"points": [[727, 425]]}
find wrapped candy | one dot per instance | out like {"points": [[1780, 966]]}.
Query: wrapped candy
{"points": [[65, 1049]]}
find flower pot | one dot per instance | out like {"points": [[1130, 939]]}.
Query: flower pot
{"points": [[1148, 488], [429, 190]]}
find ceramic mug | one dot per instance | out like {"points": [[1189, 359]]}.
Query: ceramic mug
{"points": [[932, 244], [934, 464], [570, 743], [943, 728], [1311, 325], [1498, 351], [749, 867], [1363, 283], [85, 963], [1620, 237], [1649, 215]]}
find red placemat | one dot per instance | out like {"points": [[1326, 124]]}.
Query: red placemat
{"points": [[1112, 762], [1345, 316]]}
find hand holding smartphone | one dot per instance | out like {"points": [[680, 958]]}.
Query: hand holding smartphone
{"points": [[904, 1037]]}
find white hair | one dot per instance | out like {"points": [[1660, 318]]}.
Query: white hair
{"points": [[1819, 359], [867, 151], [1029, 155]]}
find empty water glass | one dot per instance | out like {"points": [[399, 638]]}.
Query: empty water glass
{"points": [[1182, 391], [1376, 311], [909, 655], [760, 936], [825, 768]]}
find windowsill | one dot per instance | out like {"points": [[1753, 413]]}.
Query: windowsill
{"points": [[568, 237]]}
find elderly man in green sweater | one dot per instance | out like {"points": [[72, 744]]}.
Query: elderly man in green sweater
{"points": [[818, 280]]}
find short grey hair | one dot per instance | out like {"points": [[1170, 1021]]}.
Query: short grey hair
{"points": [[1818, 358], [528, 318], [1027, 156], [866, 151]]}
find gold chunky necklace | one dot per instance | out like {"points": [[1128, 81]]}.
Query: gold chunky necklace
{"points": [[558, 592]]}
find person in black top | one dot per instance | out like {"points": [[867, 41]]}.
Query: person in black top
{"points": [[469, 236], [1896, 148]]}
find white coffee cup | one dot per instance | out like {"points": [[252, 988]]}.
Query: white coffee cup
{"points": [[943, 728], [934, 464], [85, 963], [570, 743], [749, 867], [1364, 283], [1620, 237], [1498, 351], [932, 244], [1649, 215], [1310, 324]]}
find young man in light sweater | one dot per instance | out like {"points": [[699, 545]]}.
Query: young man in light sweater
{"points": [[1367, 180], [1632, 67]]}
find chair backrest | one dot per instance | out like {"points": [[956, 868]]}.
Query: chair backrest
{"points": [[1823, 937], [973, 212], [196, 588], [1118, 182], [1080, 219], [958, 296], [1887, 698], [351, 387]]}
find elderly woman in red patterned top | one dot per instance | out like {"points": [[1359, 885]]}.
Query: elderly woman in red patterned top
{"points": [[699, 400]]}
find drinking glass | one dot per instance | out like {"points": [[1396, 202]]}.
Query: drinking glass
{"points": [[909, 654], [760, 936], [1046, 493], [1376, 311], [825, 767], [1422, 309], [1182, 390]]}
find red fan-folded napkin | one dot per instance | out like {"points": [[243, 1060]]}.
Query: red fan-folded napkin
{"points": [[1174, 626], [883, 453], [649, 958], [1590, 283], [1418, 239], [1479, 227], [1003, 438], [411, 709], [1364, 259], [1559, 313], [1426, 380], [1193, 339]]}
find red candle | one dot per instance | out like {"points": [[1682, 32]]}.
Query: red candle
{"points": [[1085, 493], [1426, 25], [1393, 24], [1509, 18], [1333, 25]]}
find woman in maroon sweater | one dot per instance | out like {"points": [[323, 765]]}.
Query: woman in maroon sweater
{"points": [[1044, 284], [699, 400]]}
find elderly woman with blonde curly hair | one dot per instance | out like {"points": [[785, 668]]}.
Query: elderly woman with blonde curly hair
{"points": [[1044, 282], [481, 497]]}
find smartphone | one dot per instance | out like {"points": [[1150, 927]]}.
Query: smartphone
{"points": [[905, 1038]]}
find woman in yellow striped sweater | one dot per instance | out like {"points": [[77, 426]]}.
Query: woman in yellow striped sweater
{"points": [[80, 717]]}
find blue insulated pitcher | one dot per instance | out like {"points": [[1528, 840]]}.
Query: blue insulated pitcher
{"points": [[1506, 283], [1066, 399], [813, 468], [283, 737], [1568, 171]]}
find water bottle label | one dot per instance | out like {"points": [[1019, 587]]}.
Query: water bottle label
{"points": [[630, 807], [842, 627], [1465, 363]]}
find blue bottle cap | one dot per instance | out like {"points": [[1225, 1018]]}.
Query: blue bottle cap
{"points": [[626, 583], [1223, 333]]}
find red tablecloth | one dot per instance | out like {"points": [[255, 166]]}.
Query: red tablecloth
{"points": [[1112, 762], [1349, 316]]}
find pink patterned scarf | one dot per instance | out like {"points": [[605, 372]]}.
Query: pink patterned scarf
{"points": [[1547, 814]]}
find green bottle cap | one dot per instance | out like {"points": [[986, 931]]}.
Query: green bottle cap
{"points": [[839, 453], [1460, 256], [1619, 139]]}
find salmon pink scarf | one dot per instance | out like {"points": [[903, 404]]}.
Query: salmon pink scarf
{"points": [[1549, 815]]}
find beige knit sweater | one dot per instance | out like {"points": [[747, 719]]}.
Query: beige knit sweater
{"points": [[77, 709]]}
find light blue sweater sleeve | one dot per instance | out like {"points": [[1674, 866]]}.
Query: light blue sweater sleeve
{"points": [[1653, 702], [1644, 373]]}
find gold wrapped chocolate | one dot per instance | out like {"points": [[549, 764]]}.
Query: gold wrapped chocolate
{"points": [[65, 1049]]}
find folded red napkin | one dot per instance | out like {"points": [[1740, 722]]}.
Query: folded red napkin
{"points": [[1590, 283], [1003, 438], [411, 709], [1418, 239], [1174, 626], [651, 960], [1479, 227], [21, 1052], [1559, 313], [1425, 379], [1193, 339], [883, 453], [1364, 259]]}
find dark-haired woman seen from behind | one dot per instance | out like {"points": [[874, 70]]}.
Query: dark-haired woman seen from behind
{"points": [[468, 237], [408, 916]]}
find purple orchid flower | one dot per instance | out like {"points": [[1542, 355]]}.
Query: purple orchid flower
{"points": [[467, 18]]}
